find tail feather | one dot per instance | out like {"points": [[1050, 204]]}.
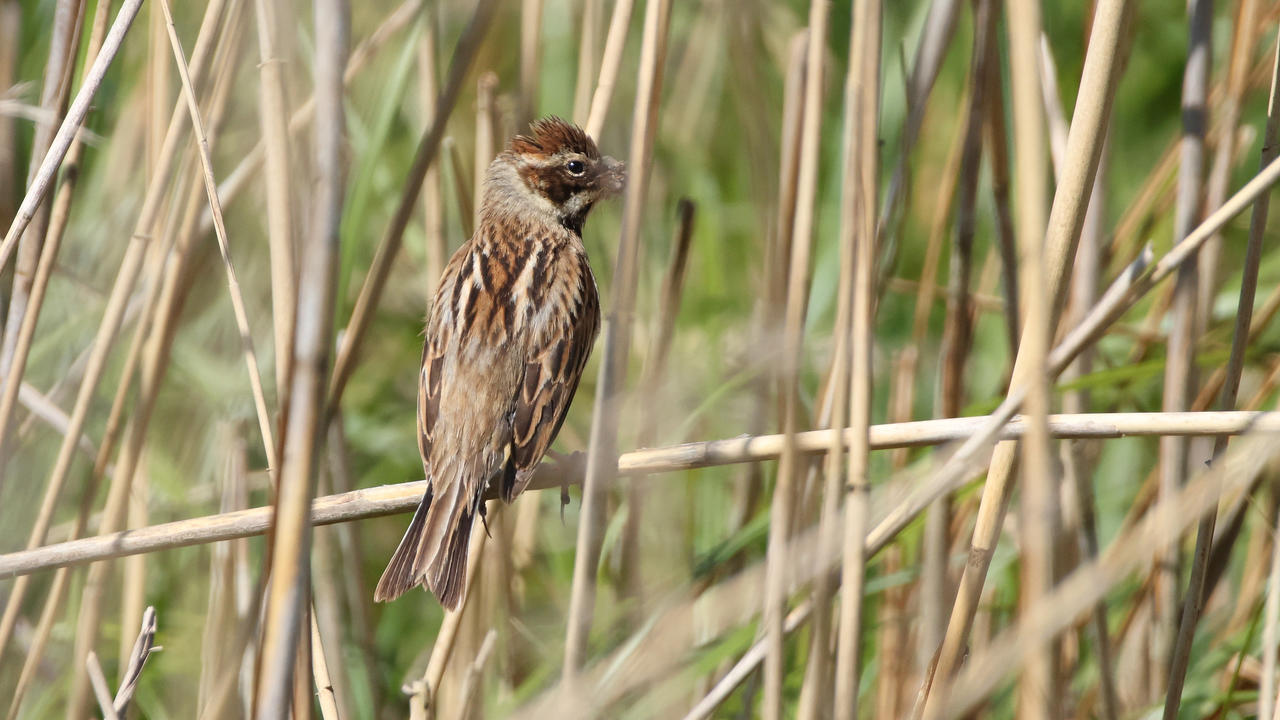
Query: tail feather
{"points": [[399, 577], [447, 574]]}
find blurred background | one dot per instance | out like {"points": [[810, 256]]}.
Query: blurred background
{"points": [[172, 423]]}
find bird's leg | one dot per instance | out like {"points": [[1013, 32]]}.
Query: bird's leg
{"points": [[567, 464]]}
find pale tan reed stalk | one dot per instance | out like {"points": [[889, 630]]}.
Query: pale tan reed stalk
{"points": [[610, 64], [1039, 694], [784, 492], [615, 347], [273, 115], [861, 175], [313, 338]]}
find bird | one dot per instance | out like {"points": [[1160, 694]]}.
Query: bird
{"points": [[510, 328]]}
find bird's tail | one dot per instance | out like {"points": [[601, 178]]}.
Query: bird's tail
{"points": [[433, 550]]}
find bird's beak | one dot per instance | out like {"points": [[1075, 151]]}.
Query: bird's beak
{"points": [[613, 176]]}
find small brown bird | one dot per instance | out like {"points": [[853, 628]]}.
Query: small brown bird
{"points": [[509, 332]]}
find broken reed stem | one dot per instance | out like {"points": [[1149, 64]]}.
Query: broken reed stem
{"points": [[307, 412], [862, 156], [428, 149], [402, 497], [615, 347]]}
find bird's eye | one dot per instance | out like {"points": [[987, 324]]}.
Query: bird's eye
{"points": [[575, 167]]}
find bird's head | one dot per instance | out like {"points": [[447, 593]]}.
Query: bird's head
{"points": [[558, 170]]}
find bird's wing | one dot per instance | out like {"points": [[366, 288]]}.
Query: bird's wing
{"points": [[550, 377], [439, 331]]}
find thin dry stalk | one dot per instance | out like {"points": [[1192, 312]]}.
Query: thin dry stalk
{"points": [[784, 492], [472, 704], [1195, 595], [325, 692], [371, 291], [1084, 293], [862, 156], [1039, 692], [274, 116], [463, 188], [312, 341], [40, 185], [610, 62], [98, 681], [602, 451], [1180, 375], [1244, 32], [1084, 145], [10, 31]]}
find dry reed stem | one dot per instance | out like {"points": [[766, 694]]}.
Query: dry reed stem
{"points": [[113, 316], [615, 347], [862, 156], [98, 682], [313, 337], [1180, 370], [463, 187], [274, 117], [473, 683], [816, 695], [610, 63], [1039, 695], [1084, 293], [1092, 109], [325, 694], [384, 257], [797, 294], [402, 497], [43, 180]]}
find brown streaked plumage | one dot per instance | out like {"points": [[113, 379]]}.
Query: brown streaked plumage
{"points": [[508, 334]]}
